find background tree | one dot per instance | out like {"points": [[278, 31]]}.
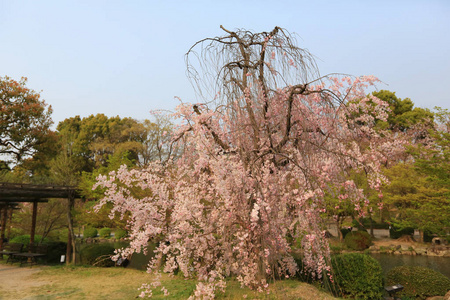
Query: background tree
{"points": [[89, 141], [403, 115], [416, 201], [25, 120], [157, 143]]}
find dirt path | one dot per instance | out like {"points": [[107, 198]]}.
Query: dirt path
{"points": [[14, 279]]}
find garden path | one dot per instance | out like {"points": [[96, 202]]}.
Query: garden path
{"points": [[14, 278]]}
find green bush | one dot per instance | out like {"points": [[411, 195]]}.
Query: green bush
{"points": [[120, 233], [358, 240], [418, 282], [97, 254], [105, 232], [54, 252], [397, 233], [345, 231], [90, 232], [25, 239], [357, 276]]}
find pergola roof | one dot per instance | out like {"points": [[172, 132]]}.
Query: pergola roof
{"points": [[18, 192]]}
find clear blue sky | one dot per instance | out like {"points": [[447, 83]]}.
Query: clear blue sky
{"points": [[127, 57]]}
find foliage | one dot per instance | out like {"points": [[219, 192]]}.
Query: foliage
{"points": [[415, 201], [358, 240], [98, 255], [25, 239], [90, 232], [120, 233], [105, 232], [345, 231], [54, 252], [418, 282], [25, 120], [397, 233], [403, 115], [357, 276], [256, 165], [52, 217]]}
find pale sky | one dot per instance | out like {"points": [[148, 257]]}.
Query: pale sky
{"points": [[127, 58]]}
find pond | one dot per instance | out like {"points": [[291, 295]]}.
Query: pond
{"points": [[389, 261]]}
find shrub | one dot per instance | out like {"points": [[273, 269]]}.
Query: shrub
{"points": [[120, 233], [105, 232], [98, 255], [357, 276], [25, 239], [358, 240], [54, 251], [90, 232], [345, 231], [397, 233], [418, 282]]}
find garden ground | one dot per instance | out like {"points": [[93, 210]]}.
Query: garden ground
{"points": [[118, 283]]}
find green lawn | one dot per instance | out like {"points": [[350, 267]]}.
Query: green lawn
{"points": [[119, 283]]}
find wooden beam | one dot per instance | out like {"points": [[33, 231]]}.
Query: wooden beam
{"points": [[2, 234]]}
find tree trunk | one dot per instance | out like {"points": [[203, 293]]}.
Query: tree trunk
{"points": [[371, 226], [338, 229], [71, 248], [8, 234]]}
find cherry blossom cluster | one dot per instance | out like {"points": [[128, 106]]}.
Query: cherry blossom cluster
{"points": [[250, 187]]}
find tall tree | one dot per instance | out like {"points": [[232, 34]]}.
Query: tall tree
{"points": [[90, 141], [402, 114], [256, 166], [25, 120]]}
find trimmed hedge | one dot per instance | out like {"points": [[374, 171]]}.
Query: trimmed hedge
{"points": [[54, 252], [418, 282], [345, 231], [358, 240], [105, 232], [25, 239], [97, 255], [90, 232], [357, 276], [120, 233]]}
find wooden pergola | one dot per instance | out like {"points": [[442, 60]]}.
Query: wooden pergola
{"points": [[11, 194]]}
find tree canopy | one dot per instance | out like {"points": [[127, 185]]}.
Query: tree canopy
{"points": [[25, 120], [258, 160]]}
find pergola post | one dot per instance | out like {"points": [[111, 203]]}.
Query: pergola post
{"points": [[33, 226], [2, 234]]}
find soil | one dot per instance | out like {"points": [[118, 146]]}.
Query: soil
{"points": [[404, 240], [17, 278]]}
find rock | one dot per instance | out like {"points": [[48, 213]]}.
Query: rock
{"points": [[421, 251], [406, 248], [435, 298], [406, 238], [447, 296]]}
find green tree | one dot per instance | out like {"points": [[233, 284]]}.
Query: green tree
{"points": [[90, 141], [416, 200], [403, 114], [25, 120]]}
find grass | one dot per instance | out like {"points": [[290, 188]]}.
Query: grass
{"points": [[118, 283]]}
